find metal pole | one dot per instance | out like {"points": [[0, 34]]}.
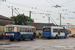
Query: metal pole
{"points": [[12, 11], [60, 19], [30, 16], [49, 19]]}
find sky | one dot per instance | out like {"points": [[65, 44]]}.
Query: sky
{"points": [[41, 10]]}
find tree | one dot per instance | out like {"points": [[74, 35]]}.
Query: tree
{"points": [[21, 18]]}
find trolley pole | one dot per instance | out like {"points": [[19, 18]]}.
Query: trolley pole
{"points": [[30, 16], [60, 19]]}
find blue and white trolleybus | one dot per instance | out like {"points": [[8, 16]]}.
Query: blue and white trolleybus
{"points": [[54, 32]]}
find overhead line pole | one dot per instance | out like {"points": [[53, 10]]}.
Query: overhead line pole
{"points": [[30, 16], [12, 10], [60, 19], [49, 19]]}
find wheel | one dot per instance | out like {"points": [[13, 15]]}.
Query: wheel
{"points": [[31, 39], [56, 36], [48, 37], [11, 39], [19, 40], [23, 39]]}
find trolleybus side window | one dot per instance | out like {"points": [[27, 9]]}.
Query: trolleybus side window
{"points": [[9, 29], [25, 29], [33, 29], [55, 30], [62, 30], [21, 30], [18, 29], [46, 30]]}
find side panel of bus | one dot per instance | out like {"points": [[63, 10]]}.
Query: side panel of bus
{"points": [[55, 33], [11, 35], [29, 35], [18, 35]]}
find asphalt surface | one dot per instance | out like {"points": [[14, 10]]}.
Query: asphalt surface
{"points": [[39, 44]]}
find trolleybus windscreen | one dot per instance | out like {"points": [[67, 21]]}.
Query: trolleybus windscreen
{"points": [[46, 30]]}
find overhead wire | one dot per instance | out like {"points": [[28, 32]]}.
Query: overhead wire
{"points": [[8, 7], [16, 10], [32, 13], [26, 6], [66, 2], [49, 2], [37, 9], [53, 1], [19, 4]]}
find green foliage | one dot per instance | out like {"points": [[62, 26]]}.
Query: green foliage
{"points": [[41, 35], [21, 18], [38, 36]]}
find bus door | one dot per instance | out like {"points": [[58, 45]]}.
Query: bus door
{"points": [[54, 32], [61, 32], [46, 31]]}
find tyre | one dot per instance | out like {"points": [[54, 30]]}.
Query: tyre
{"points": [[31, 39], [57, 37], [48, 37], [19, 40], [11, 39], [23, 39]]}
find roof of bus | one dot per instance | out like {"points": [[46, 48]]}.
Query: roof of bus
{"points": [[52, 27], [26, 26]]}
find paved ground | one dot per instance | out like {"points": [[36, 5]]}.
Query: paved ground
{"points": [[39, 44]]}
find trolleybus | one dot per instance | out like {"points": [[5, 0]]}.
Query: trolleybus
{"points": [[54, 32], [19, 32]]}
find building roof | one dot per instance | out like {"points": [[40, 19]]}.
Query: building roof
{"points": [[40, 25], [5, 18], [24, 26]]}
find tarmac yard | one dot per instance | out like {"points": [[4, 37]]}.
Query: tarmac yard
{"points": [[39, 44]]}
